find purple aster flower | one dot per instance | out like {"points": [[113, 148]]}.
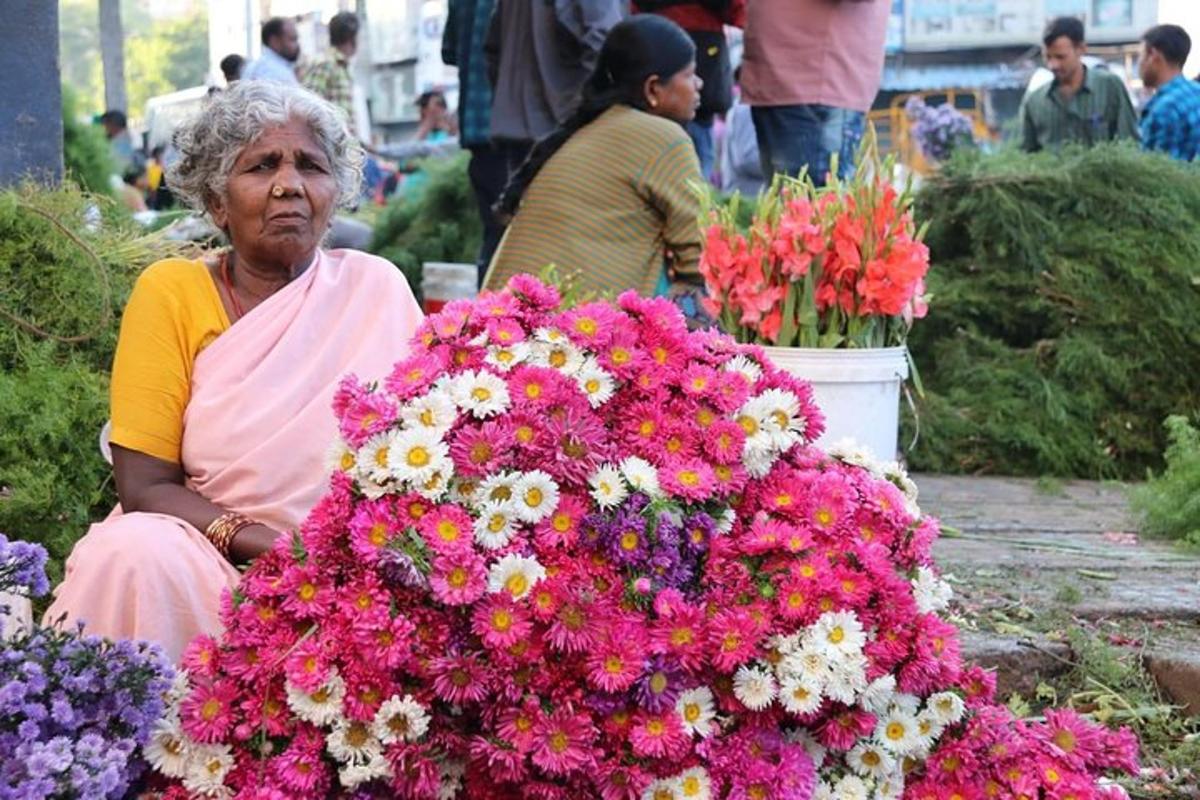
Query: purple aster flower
{"points": [[398, 569], [23, 567], [660, 685], [698, 531]]}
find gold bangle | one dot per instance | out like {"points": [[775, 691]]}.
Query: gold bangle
{"points": [[222, 530]]}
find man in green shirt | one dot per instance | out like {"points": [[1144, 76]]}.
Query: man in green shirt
{"points": [[1080, 105]]}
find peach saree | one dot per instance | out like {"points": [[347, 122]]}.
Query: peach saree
{"points": [[256, 430]]}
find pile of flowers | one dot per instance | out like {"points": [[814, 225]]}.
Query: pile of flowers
{"points": [[74, 709], [837, 266], [939, 130], [586, 553]]}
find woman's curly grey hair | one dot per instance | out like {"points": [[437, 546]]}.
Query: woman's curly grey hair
{"points": [[211, 142]]}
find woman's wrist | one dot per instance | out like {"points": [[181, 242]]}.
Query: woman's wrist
{"points": [[250, 542]]}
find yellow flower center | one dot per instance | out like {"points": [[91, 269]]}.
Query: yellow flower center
{"points": [[591, 385], [457, 577], [689, 477], [448, 531], [1065, 740], [533, 390], [629, 541], [497, 522], [357, 735], [524, 434], [559, 741], [533, 497], [307, 591], [586, 326], [837, 635], [749, 424], [369, 419], [347, 461], [427, 418], [691, 712], [501, 620], [895, 731], [656, 727], [558, 359], [210, 709], [517, 584], [378, 536], [481, 394], [561, 522], [381, 456], [418, 457], [824, 517]]}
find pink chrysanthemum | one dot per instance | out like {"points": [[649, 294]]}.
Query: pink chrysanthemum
{"points": [[589, 325], [373, 525], [300, 767], [505, 332], [723, 442], [447, 529], [458, 578], [460, 679], [733, 638], [414, 375], [842, 729], [207, 713], [501, 763], [365, 416], [202, 657], [698, 381], [562, 742], [658, 735], [561, 529], [499, 622], [1070, 737], [481, 449], [533, 293], [687, 478]]}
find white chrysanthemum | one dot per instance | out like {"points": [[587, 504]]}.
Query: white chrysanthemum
{"points": [[897, 732], [894, 472], [322, 707], [373, 461], [515, 574], [661, 789], [400, 719], [868, 759], [908, 703], [608, 487], [505, 357], [800, 694], [822, 791], [726, 521], [181, 687], [497, 487], [535, 496], [931, 593], [890, 787], [480, 392], [641, 475], [877, 697], [694, 784], [785, 645], [206, 772], [435, 486], [809, 661], [783, 417], [451, 779], [697, 711], [759, 460], [745, 367], [847, 678], [550, 335], [353, 775], [340, 457], [495, 525], [464, 491], [595, 382], [169, 750], [755, 418], [947, 706], [561, 355], [414, 455], [754, 686], [850, 787], [353, 742], [434, 410], [929, 730], [839, 633], [850, 451]]}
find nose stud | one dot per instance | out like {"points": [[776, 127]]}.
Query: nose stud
{"points": [[276, 191]]}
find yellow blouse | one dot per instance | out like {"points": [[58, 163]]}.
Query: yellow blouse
{"points": [[173, 313]]}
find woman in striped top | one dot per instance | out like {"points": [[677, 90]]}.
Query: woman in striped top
{"points": [[611, 198]]}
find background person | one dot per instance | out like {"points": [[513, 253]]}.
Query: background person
{"points": [[1171, 118], [281, 50], [462, 47], [225, 369], [705, 22], [232, 66], [1081, 105], [329, 75], [810, 72], [615, 188], [539, 54]]}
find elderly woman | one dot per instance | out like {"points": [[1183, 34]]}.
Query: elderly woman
{"points": [[226, 368]]}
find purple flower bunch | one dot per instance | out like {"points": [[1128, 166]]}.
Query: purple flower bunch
{"points": [[939, 130], [656, 545], [74, 709], [22, 568]]}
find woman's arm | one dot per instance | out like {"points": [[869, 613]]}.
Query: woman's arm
{"points": [[149, 484], [673, 184]]}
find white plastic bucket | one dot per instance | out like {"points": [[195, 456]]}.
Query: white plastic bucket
{"points": [[443, 281], [858, 391]]}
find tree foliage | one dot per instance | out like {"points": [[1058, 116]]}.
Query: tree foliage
{"points": [[1169, 503], [1066, 313]]}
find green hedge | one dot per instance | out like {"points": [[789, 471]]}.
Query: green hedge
{"points": [[67, 263], [1169, 503], [438, 223], [1065, 322]]}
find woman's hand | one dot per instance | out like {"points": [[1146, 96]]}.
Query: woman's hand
{"points": [[251, 542]]}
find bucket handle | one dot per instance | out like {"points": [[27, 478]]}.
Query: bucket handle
{"points": [[912, 406]]}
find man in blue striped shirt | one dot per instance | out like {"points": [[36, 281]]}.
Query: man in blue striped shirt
{"points": [[1171, 119]]}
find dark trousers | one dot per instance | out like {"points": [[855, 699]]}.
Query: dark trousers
{"points": [[490, 168], [791, 138]]}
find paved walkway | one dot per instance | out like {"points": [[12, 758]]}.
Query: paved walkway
{"points": [[1071, 549]]}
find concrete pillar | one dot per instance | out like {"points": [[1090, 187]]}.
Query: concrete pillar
{"points": [[31, 135]]}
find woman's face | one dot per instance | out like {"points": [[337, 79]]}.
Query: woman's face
{"points": [[677, 98], [279, 199]]}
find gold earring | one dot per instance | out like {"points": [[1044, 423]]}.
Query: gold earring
{"points": [[276, 191]]}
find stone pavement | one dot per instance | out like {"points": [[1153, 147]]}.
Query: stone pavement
{"points": [[1068, 549]]}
